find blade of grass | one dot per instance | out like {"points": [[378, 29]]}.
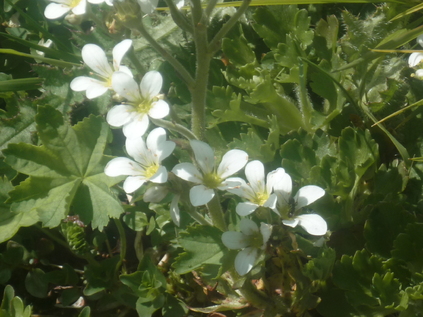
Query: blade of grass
{"points": [[20, 84], [416, 104], [50, 51], [50, 61], [408, 11]]}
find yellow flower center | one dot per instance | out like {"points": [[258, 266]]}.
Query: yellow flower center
{"points": [[260, 198], [151, 170], [144, 106], [255, 240], [211, 180], [74, 3]]}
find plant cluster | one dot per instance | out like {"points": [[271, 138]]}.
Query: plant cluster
{"points": [[135, 184]]}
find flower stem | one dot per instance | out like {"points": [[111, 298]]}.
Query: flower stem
{"points": [[174, 127], [216, 213], [179, 19], [122, 236]]}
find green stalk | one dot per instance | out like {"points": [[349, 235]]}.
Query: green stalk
{"points": [[174, 127], [179, 19], [216, 213], [122, 237], [199, 90]]}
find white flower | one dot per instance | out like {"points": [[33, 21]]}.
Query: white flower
{"points": [[256, 191], [148, 158], [144, 101], [61, 7], [250, 239], [415, 59], [312, 223], [96, 59], [156, 194], [209, 178], [148, 6]]}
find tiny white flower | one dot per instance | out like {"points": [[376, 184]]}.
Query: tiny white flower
{"points": [[257, 191], [210, 177], [147, 165], [96, 59], [174, 210], [312, 223], [419, 74], [250, 239], [144, 101], [148, 6], [60, 7]]}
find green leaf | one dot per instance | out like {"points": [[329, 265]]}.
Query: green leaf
{"points": [[100, 276], [408, 247], [202, 245], [67, 168], [36, 283], [50, 61], [86, 312]]}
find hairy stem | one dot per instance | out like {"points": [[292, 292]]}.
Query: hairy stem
{"points": [[174, 127], [179, 19]]}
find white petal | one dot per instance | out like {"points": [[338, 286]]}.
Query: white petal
{"points": [[160, 177], [188, 172], [234, 240], [314, 224], [148, 6], [132, 183], [174, 211], [137, 126], [273, 177], [415, 59], [96, 59], [179, 4], [200, 195], [283, 189], [246, 208], [155, 194], [122, 166], [159, 147], [254, 171], [229, 183], [120, 115], [151, 84], [80, 8], [248, 227], [245, 260], [307, 195], [231, 163], [204, 155], [420, 40], [126, 70], [266, 231], [419, 74], [271, 201], [159, 109], [291, 222], [95, 1], [119, 52], [125, 86], [94, 88], [137, 149], [55, 10], [242, 190]]}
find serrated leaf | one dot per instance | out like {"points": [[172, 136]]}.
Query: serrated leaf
{"points": [[67, 168], [202, 245]]}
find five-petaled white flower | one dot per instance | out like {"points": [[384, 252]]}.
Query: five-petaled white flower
{"points": [[250, 239], [148, 157], [96, 59], [210, 177], [256, 191], [314, 224], [144, 101]]}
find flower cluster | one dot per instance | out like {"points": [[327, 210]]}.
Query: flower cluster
{"points": [[206, 175], [416, 58]]}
